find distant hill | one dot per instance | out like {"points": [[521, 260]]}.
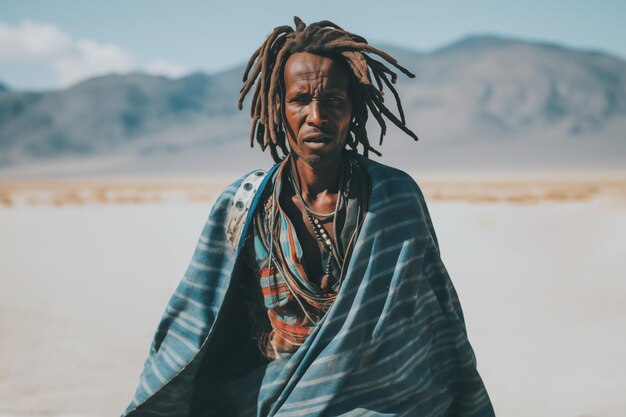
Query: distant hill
{"points": [[3, 87], [482, 103]]}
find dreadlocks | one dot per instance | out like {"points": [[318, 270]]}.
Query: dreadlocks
{"points": [[322, 38]]}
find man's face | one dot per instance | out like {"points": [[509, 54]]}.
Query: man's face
{"points": [[317, 107]]}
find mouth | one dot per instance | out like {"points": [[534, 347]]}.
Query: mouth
{"points": [[317, 142], [317, 139]]}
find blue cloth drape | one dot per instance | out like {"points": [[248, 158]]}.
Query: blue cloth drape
{"points": [[393, 343]]}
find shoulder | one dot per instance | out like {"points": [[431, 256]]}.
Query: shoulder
{"points": [[390, 181], [240, 188], [225, 203], [396, 195], [243, 197]]}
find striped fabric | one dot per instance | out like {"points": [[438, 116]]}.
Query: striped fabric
{"points": [[392, 344], [292, 320]]}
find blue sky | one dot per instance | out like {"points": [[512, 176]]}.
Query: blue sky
{"points": [[49, 44]]}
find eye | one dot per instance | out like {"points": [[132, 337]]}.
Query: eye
{"points": [[335, 100], [300, 99]]}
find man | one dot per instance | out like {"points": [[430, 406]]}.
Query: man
{"points": [[335, 300]]}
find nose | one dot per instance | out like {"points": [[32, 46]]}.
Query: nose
{"points": [[315, 116]]}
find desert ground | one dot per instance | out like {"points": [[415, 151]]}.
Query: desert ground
{"points": [[87, 267]]}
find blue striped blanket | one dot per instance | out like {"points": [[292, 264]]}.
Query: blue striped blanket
{"points": [[393, 343]]}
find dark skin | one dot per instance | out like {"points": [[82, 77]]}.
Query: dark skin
{"points": [[317, 110]]}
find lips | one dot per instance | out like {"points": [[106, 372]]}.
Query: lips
{"points": [[317, 138], [317, 142]]}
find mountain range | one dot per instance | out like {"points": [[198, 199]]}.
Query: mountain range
{"points": [[482, 104]]}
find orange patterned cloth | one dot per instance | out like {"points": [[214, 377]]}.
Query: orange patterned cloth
{"points": [[291, 302]]}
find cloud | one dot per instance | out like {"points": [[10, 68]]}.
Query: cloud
{"points": [[166, 68], [89, 59], [31, 41], [72, 59]]}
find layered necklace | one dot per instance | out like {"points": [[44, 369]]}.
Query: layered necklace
{"points": [[317, 221], [305, 292]]}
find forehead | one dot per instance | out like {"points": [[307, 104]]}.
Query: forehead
{"points": [[305, 68]]}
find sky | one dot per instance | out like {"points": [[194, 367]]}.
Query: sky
{"points": [[54, 44]]}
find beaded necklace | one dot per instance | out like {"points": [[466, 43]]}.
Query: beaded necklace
{"points": [[316, 220], [294, 303]]}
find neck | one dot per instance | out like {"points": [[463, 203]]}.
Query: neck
{"points": [[316, 178]]}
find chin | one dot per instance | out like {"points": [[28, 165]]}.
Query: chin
{"points": [[317, 159], [313, 159]]}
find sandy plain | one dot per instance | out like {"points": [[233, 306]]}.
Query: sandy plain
{"points": [[86, 269]]}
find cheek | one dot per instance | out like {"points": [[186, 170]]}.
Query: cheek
{"points": [[291, 124], [344, 116], [293, 116]]}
